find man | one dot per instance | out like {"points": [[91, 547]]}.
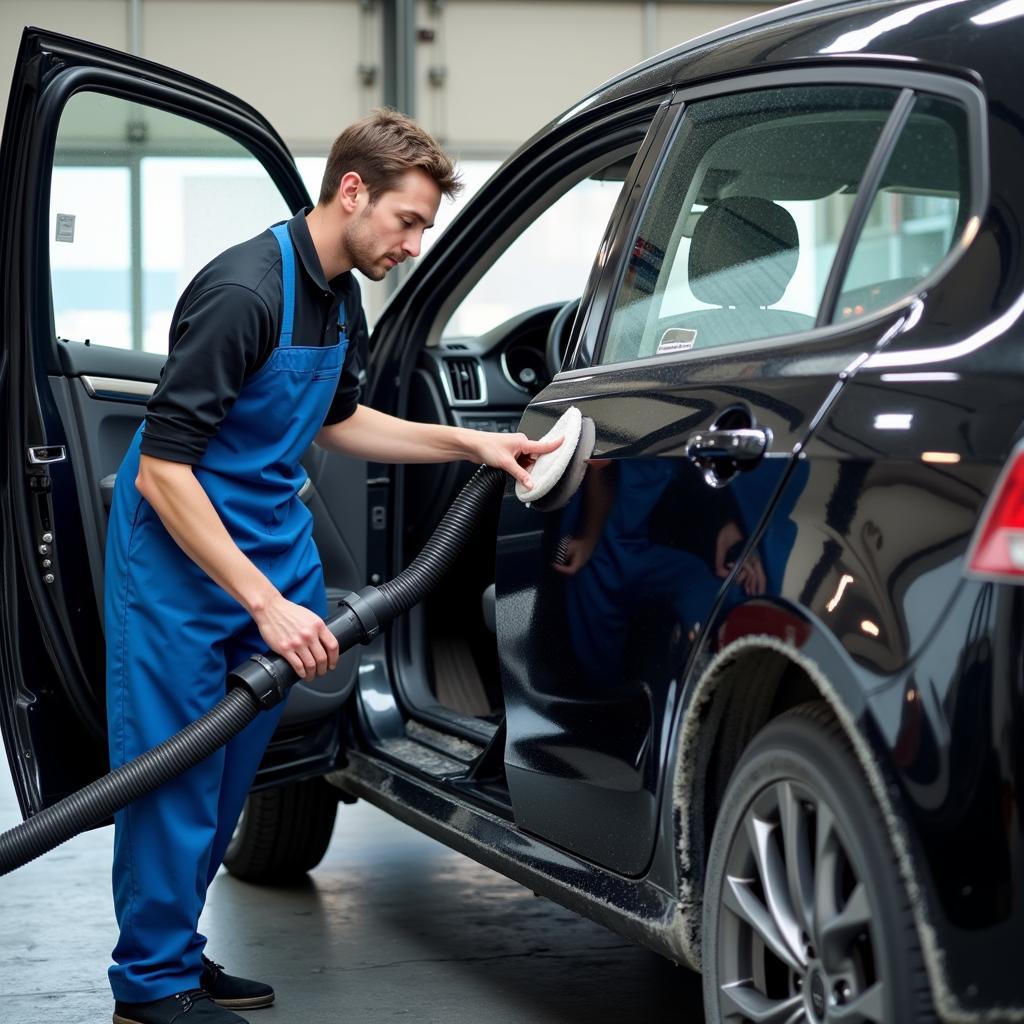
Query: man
{"points": [[209, 551]]}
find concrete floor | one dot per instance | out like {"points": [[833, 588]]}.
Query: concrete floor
{"points": [[391, 926]]}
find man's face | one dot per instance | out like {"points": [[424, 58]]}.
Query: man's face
{"points": [[389, 231]]}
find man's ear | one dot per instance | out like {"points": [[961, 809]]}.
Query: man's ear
{"points": [[349, 188]]}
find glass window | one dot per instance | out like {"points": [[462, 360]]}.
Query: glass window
{"points": [[549, 262], [90, 256], [916, 214], [740, 232], [141, 200]]}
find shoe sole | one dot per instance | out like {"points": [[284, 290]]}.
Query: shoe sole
{"points": [[249, 1003], [252, 1003]]}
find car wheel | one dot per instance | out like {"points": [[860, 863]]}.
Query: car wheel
{"points": [[282, 833], [806, 920]]}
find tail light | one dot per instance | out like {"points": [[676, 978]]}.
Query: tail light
{"points": [[997, 548]]}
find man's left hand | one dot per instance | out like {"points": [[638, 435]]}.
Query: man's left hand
{"points": [[514, 453]]}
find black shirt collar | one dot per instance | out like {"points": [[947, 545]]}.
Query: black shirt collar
{"points": [[303, 242]]}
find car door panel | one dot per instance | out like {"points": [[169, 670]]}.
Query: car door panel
{"points": [[85, 398], [591, 662]]}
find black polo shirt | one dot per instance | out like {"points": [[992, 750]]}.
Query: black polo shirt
{"points": [[227, 324]]}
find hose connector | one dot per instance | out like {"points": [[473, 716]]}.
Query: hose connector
{"points": [[269, 677], [371, 609]]}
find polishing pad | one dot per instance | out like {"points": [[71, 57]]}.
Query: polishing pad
{"points": [[557, 475]]}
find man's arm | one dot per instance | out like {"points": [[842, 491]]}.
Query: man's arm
{"points": [[600, 486], [377, 437], [188, 515]]}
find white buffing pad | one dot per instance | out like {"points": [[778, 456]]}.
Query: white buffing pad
{"points": [[548, 469]]}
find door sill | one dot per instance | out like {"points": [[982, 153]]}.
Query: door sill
{"points": [[475, 769], [455, 723]]}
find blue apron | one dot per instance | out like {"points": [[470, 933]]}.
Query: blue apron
{"points": [[172, 634]]}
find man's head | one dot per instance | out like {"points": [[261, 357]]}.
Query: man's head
{"points": [[384, 180]]}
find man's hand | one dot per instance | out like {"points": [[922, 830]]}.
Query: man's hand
{"points": [[751, 576], [514, 453], [729, 536], [577, 553], [298, 635]]}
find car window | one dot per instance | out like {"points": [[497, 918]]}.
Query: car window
{"points": [[917, 212], [140, 200], [548, 262], [743, 222]]}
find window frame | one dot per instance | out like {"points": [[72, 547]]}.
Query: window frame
{"points": [[599, 299], [203, 105], [123, 155]]}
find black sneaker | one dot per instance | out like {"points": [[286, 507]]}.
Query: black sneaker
{"points": [[238, 993], [193, 1007]]}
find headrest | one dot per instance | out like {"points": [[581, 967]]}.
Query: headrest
{"points": [[743, 253]]}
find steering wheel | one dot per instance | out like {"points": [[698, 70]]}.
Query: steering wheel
{"points": [[558, 336]]}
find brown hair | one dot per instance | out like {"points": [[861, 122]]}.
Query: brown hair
{"points": [[381, 148]]}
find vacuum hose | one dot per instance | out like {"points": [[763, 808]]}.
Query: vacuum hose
{"points": [[257, 684]]}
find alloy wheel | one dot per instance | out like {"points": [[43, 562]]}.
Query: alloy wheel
{"points": [[795, 941]]}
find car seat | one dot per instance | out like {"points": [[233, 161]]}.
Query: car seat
{"points": [[742, 257]]}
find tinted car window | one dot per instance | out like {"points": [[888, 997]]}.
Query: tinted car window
{"points": [[743, 222], [917, 213], [140, 200]]}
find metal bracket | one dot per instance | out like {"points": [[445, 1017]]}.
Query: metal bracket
{"points": [[43, 455]]}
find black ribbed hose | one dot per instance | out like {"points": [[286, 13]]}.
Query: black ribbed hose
{"points": [[260, 682], [435, 559], [96, 802]]}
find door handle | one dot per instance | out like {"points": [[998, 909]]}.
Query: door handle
{"points": [[746, 444]]}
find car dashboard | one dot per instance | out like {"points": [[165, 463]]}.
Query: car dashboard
{"points": [[486, 382]]}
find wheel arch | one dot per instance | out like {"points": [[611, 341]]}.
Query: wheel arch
{"points": [[748, 683]]}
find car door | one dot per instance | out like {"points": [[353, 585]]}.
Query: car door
{"points": [[708, 345], [120, 179]]}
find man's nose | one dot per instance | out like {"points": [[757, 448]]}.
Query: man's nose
{"points": [[411, 244]]}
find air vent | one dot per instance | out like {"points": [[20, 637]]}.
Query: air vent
{"points": [[464, 379], [456, 346]]}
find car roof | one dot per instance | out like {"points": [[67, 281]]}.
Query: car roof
{"points": [[966, 37]]}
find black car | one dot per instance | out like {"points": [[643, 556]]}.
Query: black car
{"points": [[752, 697]]}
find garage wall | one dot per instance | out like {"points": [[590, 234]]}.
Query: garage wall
{"points": [[502, 68], [513, 65], [291, 60]]}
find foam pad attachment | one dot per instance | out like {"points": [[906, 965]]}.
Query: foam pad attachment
{"points": [[548, 469], [558, 474], [569, 483]]}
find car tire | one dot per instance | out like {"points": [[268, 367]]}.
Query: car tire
{"points": [[282, 833], [806, 918]]}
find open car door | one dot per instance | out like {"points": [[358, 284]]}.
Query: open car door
{"points": [[120, 180]]}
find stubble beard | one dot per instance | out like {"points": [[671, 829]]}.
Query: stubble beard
{"points": [[361, 251]]}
